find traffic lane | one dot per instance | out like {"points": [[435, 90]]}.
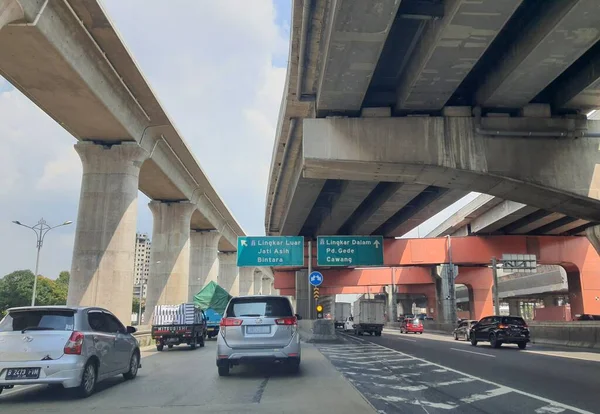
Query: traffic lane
{"points": [[187, 381], [395, 381], [550, 350], [570, 381]]}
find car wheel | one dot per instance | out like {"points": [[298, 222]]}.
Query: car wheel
{"points": [[294, 366], [455, 336], [193, 345], [202, 341], [134, 365], [522, 345], [494, 342], [170, 346], [1, 389], [223, 370], [88, 380], [159, 348], [473, 341]]}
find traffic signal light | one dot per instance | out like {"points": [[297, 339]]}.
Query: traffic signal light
{"points": [[319, 309]]}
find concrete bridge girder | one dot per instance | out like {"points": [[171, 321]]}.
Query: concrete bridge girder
{"points": [[449, 152]]}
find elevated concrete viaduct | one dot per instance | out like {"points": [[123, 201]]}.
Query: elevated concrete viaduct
{"points": [[392, 113], [66, 56]]}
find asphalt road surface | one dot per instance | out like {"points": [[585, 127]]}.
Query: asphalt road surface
{"points": [[431, 373], [183, 381]]}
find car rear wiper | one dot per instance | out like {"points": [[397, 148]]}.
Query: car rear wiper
{"points": [[37, 328], [250, 314]]}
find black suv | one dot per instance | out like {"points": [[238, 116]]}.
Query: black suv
{"points": [[498, 330]]}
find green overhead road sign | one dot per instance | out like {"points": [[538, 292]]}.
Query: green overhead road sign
{"points": [[270, 251], [350, 250]]}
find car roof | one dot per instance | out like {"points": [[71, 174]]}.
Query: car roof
{"points": [[259, 296], [56, 307]]}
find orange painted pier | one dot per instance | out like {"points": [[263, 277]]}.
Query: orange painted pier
{"points": [[411, 262]]}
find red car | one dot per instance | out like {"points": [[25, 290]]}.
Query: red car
{"points": [[411, 325]]}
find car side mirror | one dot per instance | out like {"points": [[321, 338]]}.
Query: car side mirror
{"points": [[131, 330], [298, 317]]}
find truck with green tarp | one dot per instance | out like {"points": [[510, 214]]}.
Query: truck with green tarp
{"points": [[213, 300]]}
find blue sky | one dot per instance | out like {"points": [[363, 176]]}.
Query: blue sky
{"points": [[219, 72]]}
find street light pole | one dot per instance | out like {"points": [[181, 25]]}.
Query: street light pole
{"points": [[41, 228]]}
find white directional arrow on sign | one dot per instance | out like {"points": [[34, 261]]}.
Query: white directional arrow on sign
{"points": [[244, 243], [376, 243]]}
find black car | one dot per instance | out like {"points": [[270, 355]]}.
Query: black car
{"points": [[498, 330]]}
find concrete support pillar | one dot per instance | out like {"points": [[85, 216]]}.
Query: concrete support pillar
{"points": [[549, 301], [10, 11], [204, 260], [228, 277], [246, 281], [168, 283], [391, 303], [593, 235], [407, 305], [257, 282], [266, 286], [445, 290], [103, 254], [303, 294], [514, 307]]}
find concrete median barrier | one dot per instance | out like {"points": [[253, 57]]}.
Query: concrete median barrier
{"points": [[320, 330], [581, 334]]}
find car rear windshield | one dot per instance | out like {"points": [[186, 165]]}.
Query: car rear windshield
{"points": [[513, 321], [39, 320], [253, 307]]}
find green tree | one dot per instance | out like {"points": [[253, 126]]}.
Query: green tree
{"points": [[135, 305], [16, 289]]}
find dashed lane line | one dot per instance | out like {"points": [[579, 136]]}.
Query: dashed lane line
{"points": [[551, 405]]}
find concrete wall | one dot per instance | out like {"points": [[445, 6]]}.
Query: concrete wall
{"points": [[581, 334]]}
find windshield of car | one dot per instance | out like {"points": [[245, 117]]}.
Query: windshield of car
{"points": [[255, 307], [513, 321], [57, 320]]}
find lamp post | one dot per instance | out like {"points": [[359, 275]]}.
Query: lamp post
{"points": [[41, 228]]}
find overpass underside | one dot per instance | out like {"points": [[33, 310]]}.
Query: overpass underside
{"points": [[391, 115]]}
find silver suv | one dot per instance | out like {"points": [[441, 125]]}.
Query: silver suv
{"points": [[70, 346], [256, 330]]}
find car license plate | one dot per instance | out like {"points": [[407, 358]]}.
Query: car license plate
{"points": [[172, 340], [258, 329], [22, 373], [210, 329]]}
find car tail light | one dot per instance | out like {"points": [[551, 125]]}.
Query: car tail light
{"points": [[502, 326], [286, 321], [231, 322], [74, 344]]}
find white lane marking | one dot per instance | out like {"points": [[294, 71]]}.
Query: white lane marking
{"points": [[439, 370], [393, 399], [452, 382], [549, 409], [472, 352], [496, 392], [526, 394]]}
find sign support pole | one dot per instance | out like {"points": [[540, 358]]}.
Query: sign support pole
{"points": [[495, 276], [309, 301]]}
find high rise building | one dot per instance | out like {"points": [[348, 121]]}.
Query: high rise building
{"points": [[142, 264]]}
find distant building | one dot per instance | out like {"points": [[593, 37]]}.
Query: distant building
{"points": [[142, 265]]}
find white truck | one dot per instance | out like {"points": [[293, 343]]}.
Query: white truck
{"points": [[368, 317], [341, 313]]}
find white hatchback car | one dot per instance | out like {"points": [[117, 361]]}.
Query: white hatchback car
{"points": [[70, 346]]}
